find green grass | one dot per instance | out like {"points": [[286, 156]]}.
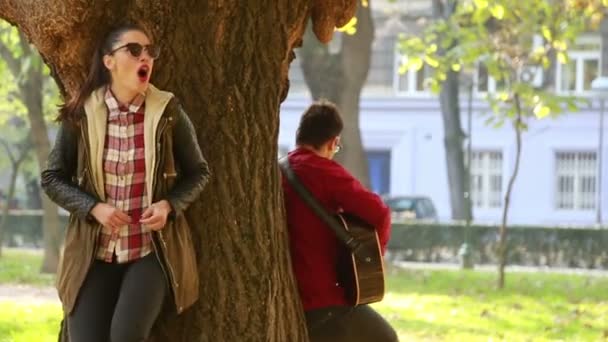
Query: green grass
{"points": [[29, 322], [465, 306], [23, 267], [421, 305]]}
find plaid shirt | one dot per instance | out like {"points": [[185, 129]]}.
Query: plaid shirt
{"points": [[125, 186]]}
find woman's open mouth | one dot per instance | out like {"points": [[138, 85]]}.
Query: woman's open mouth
{"points": [[143, 73]]}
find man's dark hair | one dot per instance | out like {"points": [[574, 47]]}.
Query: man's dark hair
{"points": [[320, 123]]}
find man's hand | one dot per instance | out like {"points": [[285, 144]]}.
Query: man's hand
{"points": [[110, 216], [155, 217]]}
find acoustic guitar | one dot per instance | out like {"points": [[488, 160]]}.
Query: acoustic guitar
{"points": [[361, 272]]}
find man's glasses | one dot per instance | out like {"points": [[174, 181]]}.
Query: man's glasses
{"points": [[136, 49], [338, 148]]}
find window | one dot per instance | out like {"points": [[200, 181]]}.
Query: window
{"points": [[283, 150], [379, 163], [482, 79], [486, 179], [484, 83], [412, 82], [575, 180], [582, 68]]}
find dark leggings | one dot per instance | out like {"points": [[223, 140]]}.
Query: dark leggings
{"points": [[118, 302], [352, 324]]}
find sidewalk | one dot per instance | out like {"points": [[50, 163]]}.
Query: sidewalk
{"points": [[47, 295], [27, 294], [493, 268]]}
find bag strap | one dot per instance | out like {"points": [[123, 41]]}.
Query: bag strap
{"points": [[343, 235]]}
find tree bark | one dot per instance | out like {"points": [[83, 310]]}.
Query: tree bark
{"points": [[452, 130], [227, 62], [340, 77], [454, 148]]}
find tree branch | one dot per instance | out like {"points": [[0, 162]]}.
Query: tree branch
{"points": [[7, 147], [25, 45], [24, 150], [327, 15], [14, 64], [453, 4], [437, 9]]}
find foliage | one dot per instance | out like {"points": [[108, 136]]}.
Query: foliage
{"points": [[513, 40], [29, 227], [580, 247], [17, 59]]}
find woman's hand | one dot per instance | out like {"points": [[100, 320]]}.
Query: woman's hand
{"points": [[110, 216], [155, 217]]}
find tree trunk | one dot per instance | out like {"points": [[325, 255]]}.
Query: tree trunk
{"points": [[16, 162], [454, 148], [9, 197], [32, 93], [34, 195], [227, 61], [452, 130], [502, 242], [340, 77]]}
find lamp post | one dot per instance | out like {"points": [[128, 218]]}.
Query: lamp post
{"points": [[600, 85]]}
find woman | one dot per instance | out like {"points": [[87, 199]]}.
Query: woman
{"points": [[126, 164]]}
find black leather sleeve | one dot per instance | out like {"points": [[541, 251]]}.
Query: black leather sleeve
{"points": [[194, 171], [57, 178]]}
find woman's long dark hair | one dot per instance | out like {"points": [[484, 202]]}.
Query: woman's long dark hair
{"points": [[98, 75]]}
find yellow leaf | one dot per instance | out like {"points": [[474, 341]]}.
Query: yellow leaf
{"points": [[541, 111], [468, 7], [365, 3], [596, 18], [431, 49], [498, 11], [547, 33], [560, 45], [431, 61], [562, 58], [415, 63], [402, 69], [350, 28], [539, 51], [481, 4], [456, 67]]}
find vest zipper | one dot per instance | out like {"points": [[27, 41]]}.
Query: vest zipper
{"points": [[171, 274], [87, 173]]}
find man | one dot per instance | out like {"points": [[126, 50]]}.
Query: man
{"points": [[314, 246]]}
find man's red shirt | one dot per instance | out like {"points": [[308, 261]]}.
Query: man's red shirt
{"points": [[314, 246]]}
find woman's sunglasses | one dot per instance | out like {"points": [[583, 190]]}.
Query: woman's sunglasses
{"points": [[135, 49]]}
